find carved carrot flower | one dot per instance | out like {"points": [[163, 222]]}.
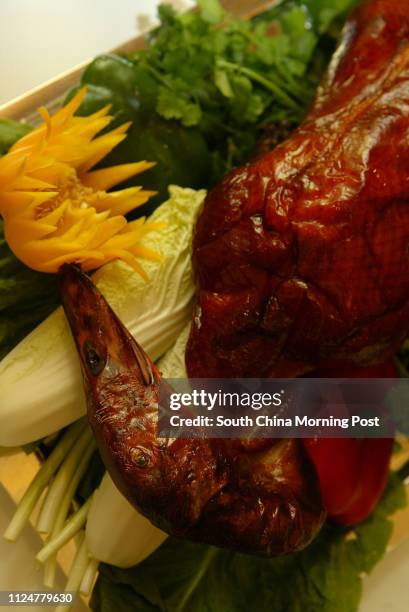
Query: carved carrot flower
{"points": [[56, 209]]}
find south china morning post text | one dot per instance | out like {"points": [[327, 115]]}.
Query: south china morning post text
{"points": [[255, 401], [249, 408]]}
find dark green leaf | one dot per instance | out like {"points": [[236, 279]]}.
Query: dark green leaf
{"points": [[186, 577], [10, 131]]}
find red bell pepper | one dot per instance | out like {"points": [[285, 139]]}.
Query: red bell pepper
{"points": [[352, 472]]}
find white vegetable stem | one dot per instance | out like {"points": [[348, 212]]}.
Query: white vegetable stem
{"points": [[37, 486], [116, 533], [72, 527], [89, 577], [60, 483], [40, 380], [64, 506], [77, 571]]}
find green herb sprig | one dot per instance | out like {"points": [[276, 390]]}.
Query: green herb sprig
{"points": [[229, 77]]}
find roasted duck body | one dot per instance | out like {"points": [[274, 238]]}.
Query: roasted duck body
{"points": [[301, 256], [258, 497]]}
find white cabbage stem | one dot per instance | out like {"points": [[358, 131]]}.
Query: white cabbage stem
{"points": [[116, 533]]}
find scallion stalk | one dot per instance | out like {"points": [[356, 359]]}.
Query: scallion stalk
{"points": [[72, 527], [64, 475], [89, 577], [63, 509], [77, 571], [41, 480]]}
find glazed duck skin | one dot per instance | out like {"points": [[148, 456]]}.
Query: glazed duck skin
{"points": [[301, 256], [261, 497]]}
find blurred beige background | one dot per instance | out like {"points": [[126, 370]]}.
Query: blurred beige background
{"points": [[41, 38]]}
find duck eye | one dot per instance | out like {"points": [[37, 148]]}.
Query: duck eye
{"points": [[95, 362], [140, 457]]}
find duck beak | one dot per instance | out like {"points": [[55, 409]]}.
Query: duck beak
{"points": [[104, 345]]}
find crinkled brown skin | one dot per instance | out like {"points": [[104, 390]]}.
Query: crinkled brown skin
{"points": [[301, 256], [259, 497]]}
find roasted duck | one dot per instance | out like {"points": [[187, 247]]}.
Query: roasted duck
{"points": [[302, 264], [259, 497], [301, 256]]}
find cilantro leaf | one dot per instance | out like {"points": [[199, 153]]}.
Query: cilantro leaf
{"points": [[172, 106], [236, 78]]}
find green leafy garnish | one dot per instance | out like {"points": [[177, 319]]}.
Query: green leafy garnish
{"points": [[229, 77], [26, 298], [185, 577]]}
